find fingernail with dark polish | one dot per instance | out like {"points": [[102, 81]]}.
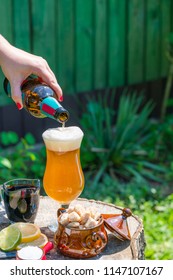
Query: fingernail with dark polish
{"points": [[61, 98], [19, 106]]}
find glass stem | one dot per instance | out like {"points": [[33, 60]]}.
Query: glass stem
{"points": [[65, 206]]}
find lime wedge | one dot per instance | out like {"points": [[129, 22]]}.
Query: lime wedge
{"points": [[10, 237]]}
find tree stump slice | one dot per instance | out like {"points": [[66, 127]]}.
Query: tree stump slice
{"points": [[115, 249]]}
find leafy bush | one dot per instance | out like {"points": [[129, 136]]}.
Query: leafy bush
{"points": [[8, 138], [22, 159], [133, 193], [115, 140], [160, 146]]}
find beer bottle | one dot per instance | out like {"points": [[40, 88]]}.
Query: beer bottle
{"points": [[39, 99]]}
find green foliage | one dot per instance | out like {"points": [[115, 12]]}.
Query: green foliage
{"points": [[160, 146], [23, 159], [4, 162], [115, 140], [8, 138], [134, 193]]}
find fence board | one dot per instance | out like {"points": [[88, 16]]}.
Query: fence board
{"points": [[166, 7], [136, 37], [43, 30], [116, 42], [84, 45], [6, 17], [100, 44], [153, 39], [65, 44], [21, 24]]}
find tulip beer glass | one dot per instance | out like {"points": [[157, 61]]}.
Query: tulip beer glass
{"points": [[63, 178]]}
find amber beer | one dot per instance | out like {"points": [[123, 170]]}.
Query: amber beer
{"points": [[63, 179]]}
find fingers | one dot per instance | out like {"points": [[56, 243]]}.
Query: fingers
{"points": [[50, 80], [17, 95], [55, 86], [46, 74]]}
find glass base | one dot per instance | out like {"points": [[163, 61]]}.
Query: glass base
{"points": [[65, 206], [53, 227]]}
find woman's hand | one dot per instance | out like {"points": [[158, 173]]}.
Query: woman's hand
{"points": [[17, 65]]}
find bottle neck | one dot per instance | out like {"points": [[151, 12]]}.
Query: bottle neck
{"points": [[52, 109], [49, 106]]}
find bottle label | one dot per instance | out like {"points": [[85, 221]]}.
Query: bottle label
{"points": [[49, 106]]}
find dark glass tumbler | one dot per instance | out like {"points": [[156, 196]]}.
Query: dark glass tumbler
{"points": [[21, 199]]}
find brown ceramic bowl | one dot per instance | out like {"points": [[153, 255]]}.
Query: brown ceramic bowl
{"points": [[81, 243]]}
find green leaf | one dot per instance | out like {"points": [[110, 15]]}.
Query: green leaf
{"points": [[13, 137], [4, 162], [9, 138], [30, 139]]}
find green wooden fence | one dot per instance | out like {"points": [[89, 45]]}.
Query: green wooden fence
{"points": [[91, 44]]}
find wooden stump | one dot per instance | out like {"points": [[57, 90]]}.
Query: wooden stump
{"points": [[115, 249]]}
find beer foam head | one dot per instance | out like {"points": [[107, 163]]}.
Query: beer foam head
{"points": [[63, 139]]}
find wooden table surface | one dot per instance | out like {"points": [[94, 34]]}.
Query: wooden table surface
{"points": [[115, 249]]}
